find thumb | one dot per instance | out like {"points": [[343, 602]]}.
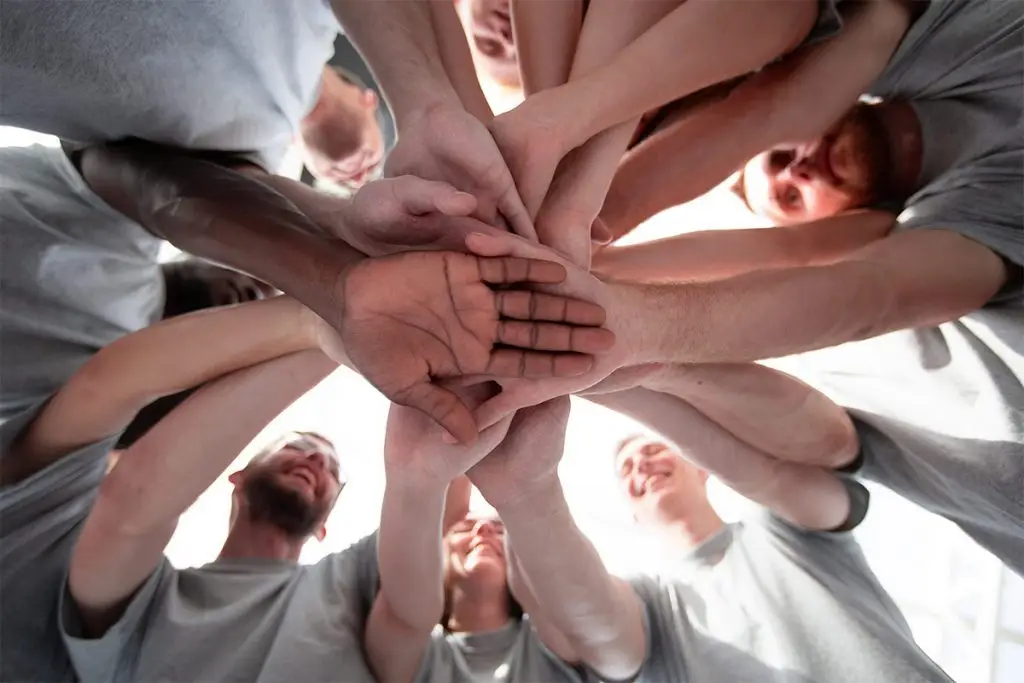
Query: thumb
{"points": [[600, 233], [444, 407], [417, 196]]}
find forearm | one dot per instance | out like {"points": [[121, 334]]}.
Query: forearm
{"points": [[586, 173], [457, 60], [806, 495], [399, 42], [409, 553], [717, 254], [918, 278], [626, 87], [222, 215], [176, 354], [771, 411], [132, 519], [601, 621], [546, 35], [225, 415]]}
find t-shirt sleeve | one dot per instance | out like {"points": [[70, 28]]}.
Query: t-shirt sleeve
{"points": [[101, 659], [827, 25], [982, 201], [662, 635], [51, 502]]}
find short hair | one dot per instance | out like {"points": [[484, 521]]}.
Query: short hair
{"points": [[274, 445], [621, 445]]}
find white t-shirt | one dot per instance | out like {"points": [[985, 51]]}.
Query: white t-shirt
{"points": [[232, 75]]}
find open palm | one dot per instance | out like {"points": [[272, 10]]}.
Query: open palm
{"points": [[414, 319]]}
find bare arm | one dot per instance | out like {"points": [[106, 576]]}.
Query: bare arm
{"points": [[104, 396], [132, 521], [717, 254], [400, 43], [918, 278], [457, 60], [723, 40], [224, 215], [546, 34], [411, 597], [808, 496], [798, 98], [599, 616]]}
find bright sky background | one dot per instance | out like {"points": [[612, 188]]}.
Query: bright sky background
{"points": [[965, 610]]}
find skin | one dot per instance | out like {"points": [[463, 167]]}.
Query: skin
{"points": [[488, 27], [341, 140], [664, 490], [850, 166]]}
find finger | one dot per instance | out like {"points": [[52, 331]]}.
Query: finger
{"points": [[600, 233], [418, 197], [525, 305], [554, 337], [502, 406], [518, 218], [444, 407], [510, 270], [537, 364], [491, 245]]}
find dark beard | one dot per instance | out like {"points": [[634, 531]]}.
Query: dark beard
{"points": [[288, 510]]}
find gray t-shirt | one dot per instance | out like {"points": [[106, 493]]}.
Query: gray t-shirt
{"points": [[237, 620], [234, 75], [74, 275], [940, 411], [961, 66], [763, 602], [40, 519], [513, 654]]}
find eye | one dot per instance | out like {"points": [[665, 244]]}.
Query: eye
{"points": [[791, 198]]}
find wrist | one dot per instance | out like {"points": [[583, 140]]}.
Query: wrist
{"points": [[413, 489], [538, 500]]}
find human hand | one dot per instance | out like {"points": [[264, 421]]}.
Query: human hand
{"points": [[415, 452], [624, 319], [408, 213], [449, 144], [531, 143], [527, 457], [412, 320]]}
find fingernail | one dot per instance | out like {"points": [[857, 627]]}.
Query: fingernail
{"points": [[448, 438]]}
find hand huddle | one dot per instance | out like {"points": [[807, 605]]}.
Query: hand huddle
{"points": [[509, 311]]}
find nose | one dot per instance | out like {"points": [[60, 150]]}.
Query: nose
{"points": [[485, 527], [800, 170]]}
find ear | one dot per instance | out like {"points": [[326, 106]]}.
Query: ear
{"points": [[235, 477], [369, 99], [321, 533]]}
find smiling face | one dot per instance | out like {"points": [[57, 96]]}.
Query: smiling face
{"points": [[657, 480], [849, 167], [475, 548], [292, 485]]}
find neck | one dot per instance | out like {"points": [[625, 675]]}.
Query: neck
{"points": [[249, 540], [906, 152], [691, 529], [478, 613]]}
